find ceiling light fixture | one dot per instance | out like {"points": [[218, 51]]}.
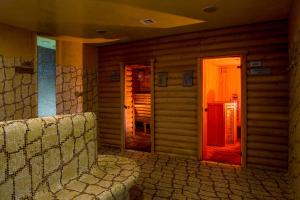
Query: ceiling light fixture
{"points": [[210, 9], [148, 21]]}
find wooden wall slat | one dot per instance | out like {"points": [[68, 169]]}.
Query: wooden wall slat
{"points": [[176, 122]]}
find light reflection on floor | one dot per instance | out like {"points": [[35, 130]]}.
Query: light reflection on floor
{"points": [[230, 154]]}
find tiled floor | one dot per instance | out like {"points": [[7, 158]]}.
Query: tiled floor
{"points": [[166, 177]]}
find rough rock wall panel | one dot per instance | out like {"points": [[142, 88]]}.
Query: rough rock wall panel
{"points": [[17, 91], [68, 90]]}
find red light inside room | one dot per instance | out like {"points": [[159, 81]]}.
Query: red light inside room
{"points": [[222, 110]]}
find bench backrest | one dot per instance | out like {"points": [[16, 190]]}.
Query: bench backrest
{"points": [[45, 150], [142, 104]]}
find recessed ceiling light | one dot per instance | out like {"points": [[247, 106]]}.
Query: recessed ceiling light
{"points": [[210, 9], [101, 31], [148, 21]]}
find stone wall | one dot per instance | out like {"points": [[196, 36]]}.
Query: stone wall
{"points": [[68, 90], [76, 80], [17, 91], [294, 123], [18, 99], [76, 90]]}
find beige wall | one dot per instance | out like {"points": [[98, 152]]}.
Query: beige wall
{"points": [[18, 97], [294, 140], [17, 42]]}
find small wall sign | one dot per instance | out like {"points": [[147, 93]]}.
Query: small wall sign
{"points": [[260, 71], [162, 79], [115, 76], [256, 63], [187, 78]]}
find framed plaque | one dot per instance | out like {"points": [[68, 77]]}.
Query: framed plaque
{"points": [[188, 78], [162, 79], [115, 76]]}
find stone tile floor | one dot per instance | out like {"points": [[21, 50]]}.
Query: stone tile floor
{"points": [[166, 177]]}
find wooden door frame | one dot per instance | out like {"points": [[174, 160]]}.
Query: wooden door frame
{"points": [[243, 56], [151, 64]]}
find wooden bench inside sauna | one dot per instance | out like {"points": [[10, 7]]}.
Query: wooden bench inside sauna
{"points": [[55, 158], [142, 109]]}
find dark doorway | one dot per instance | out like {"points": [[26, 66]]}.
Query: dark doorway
{"points": [[138, 107], [222, 110], [46, 51]]}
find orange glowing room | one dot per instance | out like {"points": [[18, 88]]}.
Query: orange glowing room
{"points": [[149, 100]]}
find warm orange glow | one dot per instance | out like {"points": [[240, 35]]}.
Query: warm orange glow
{"points": [[222, 102], [137, 107]]}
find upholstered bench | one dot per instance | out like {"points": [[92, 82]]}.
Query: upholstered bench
{"points": [[56, 158]]}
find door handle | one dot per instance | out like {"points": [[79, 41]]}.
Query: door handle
{"points": [[205, 109]]}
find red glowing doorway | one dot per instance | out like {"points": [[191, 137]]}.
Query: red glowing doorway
{"points": [[222, 113]]}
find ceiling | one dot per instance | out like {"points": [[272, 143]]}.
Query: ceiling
{"points": [[121, 19]]}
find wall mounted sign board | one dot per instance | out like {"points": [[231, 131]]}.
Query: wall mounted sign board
{"points": [[256, 63], [162, 79], [115, 76], [187, 78], [260, 71]]}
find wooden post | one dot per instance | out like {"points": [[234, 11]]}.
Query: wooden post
{"points": [[244, 110], [152, 123], [200, 107], [122, 107]]}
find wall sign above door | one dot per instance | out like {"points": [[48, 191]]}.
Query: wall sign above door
{"points": [[255, 63]]}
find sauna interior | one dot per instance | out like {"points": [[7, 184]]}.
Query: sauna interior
{"points": [[149, 100], [222, 110], [138, 107]]}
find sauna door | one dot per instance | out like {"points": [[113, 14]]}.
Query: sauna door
{"points": [[128, 104]]}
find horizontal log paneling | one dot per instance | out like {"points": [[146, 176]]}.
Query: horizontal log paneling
{"points": [[109, 106], [176, 121]]}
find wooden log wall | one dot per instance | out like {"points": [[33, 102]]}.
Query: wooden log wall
{"points": [[176, 122]]}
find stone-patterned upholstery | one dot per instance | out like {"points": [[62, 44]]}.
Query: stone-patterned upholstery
{"points": [[56, 158]]}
